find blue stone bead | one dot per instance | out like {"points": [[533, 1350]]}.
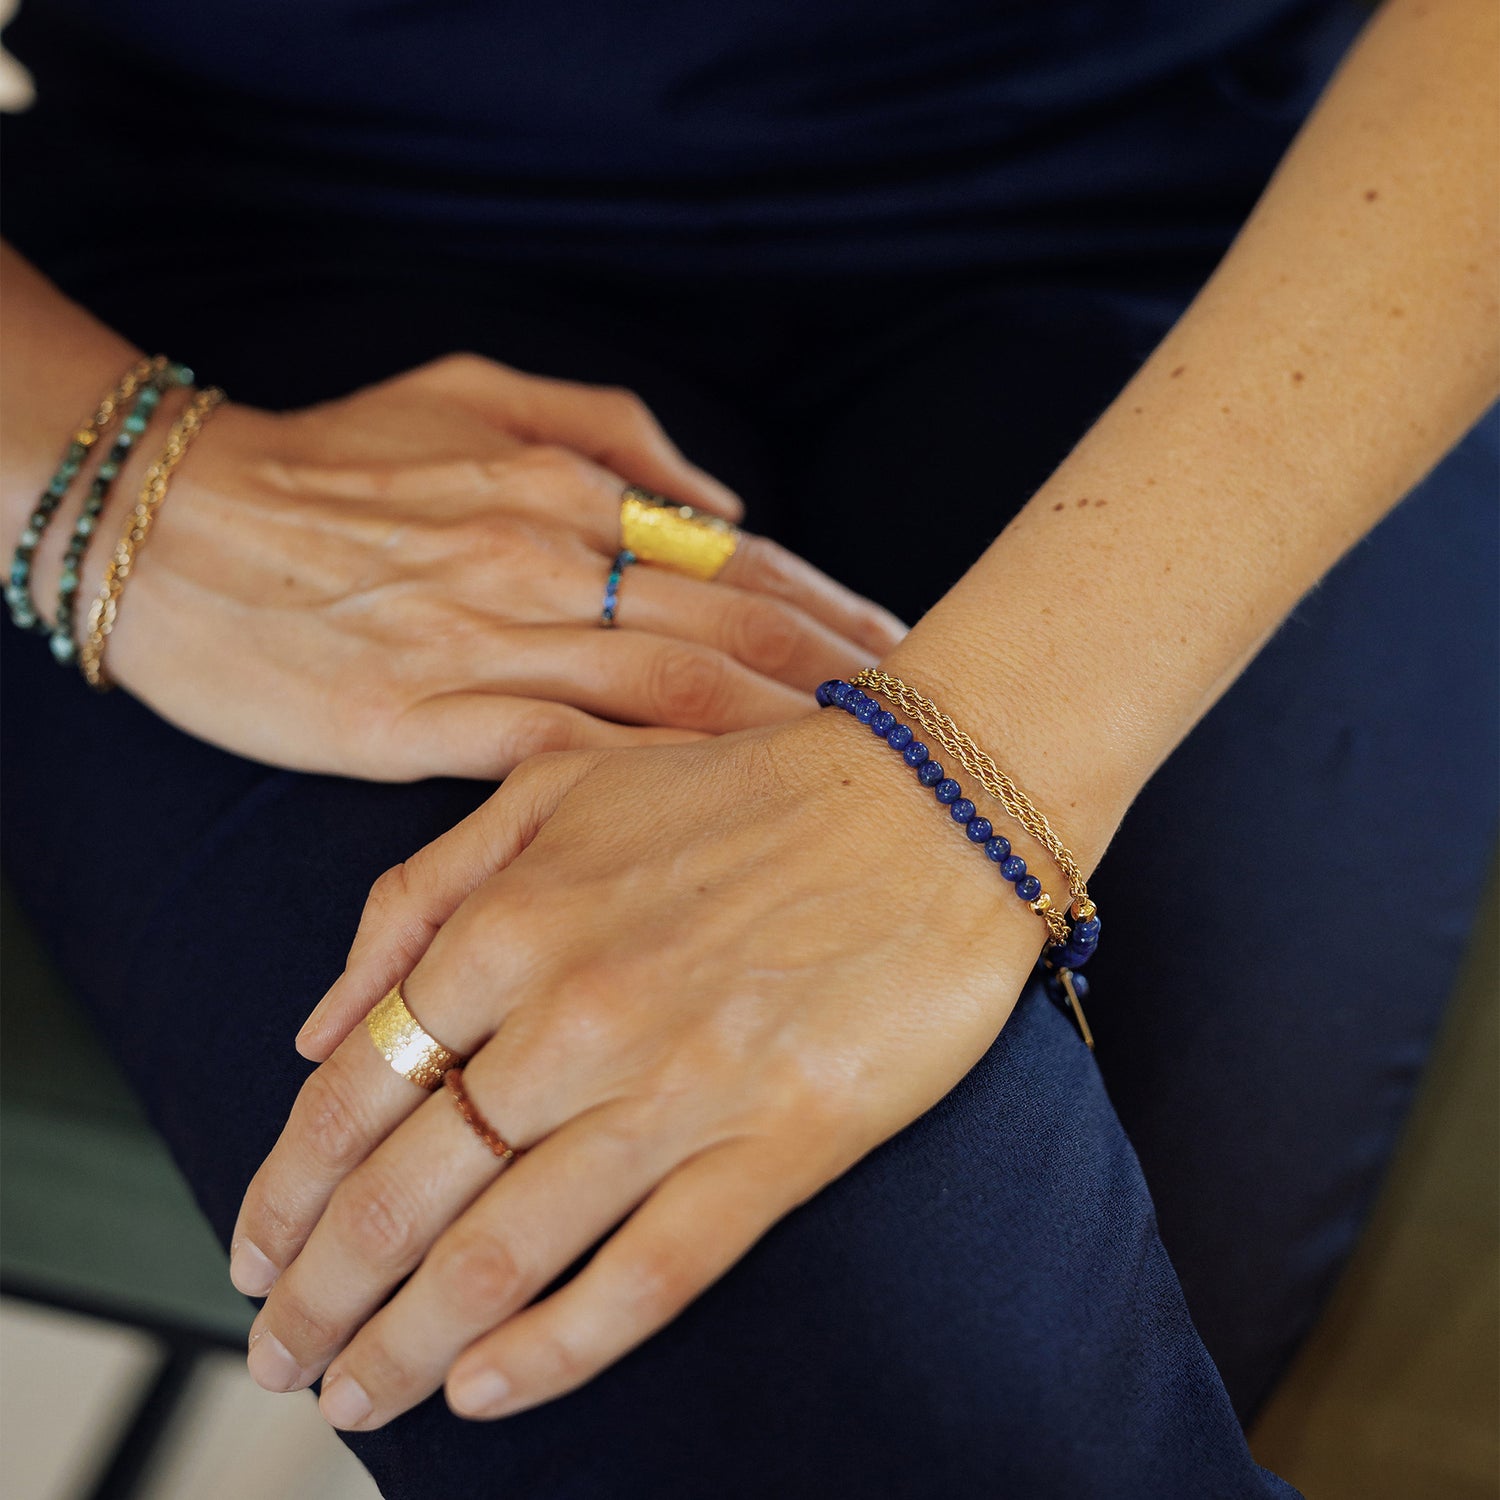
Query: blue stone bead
{"points": [[63, 648], [840, 694], [1013, 867], [182, 374], [1087, 929], [947, 790], [915, 753], [1080, 987], [867, 710], [962, 810], [998, 848], [900, 737], [824, 695], [20, 570], [852, 700], [1029, 888], [979, 829], [882, 723], [930, 772]]}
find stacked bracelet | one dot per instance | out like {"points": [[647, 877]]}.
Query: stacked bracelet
{"points": [[106, 607], [1071, 940], [18, 589], [64, 647]]}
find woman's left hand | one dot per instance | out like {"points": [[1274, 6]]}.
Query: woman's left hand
{"points": [[695, 984]]}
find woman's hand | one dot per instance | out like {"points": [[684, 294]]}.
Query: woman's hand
{"points": [[407, 582], [696, 983]]}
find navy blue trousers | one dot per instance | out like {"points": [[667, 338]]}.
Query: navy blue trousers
{"points": [[1071, 1278]]}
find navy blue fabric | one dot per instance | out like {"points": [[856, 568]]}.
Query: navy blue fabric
{"points": [[765, 135], [1068, 1279]]}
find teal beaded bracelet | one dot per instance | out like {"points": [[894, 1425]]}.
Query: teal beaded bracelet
{"points": [[18, 587], [64, 645]]}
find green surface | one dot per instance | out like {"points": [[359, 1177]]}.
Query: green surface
{"points": [[92, 1210]]}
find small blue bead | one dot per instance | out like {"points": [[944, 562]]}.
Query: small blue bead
{"points": [[930, 772], [867, 710], [1029, 888], [962, 810], [900, 737], [947, 790], [840, 694], [1080, 987], [915, 753], [1087, 929], [979, 829], [852, 700], [63, 648], [882, 723], [1013, 867], [824, 695]]}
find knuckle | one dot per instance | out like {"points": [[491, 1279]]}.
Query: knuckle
{"points": [[373, 1214], [536, 729], [332, 1128], [477, 1272], [388, 893], [625, 407], [551, 466], [656, 1281], [687, 686], [764, 633], [302, 1328]]}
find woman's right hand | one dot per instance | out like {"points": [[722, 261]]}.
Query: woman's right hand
{"points": [[407, 582]]}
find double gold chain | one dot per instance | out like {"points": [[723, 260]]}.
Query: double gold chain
{"points": [[974, 760], [106, 607]]}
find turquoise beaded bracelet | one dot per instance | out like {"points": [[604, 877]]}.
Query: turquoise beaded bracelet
{"points": [[18, 587], [64, 645]]}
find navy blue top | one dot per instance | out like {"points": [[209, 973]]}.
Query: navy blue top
{"points": [[778, 133]]}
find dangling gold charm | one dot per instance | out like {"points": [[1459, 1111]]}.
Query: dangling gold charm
{"points": [[1066, 976]]}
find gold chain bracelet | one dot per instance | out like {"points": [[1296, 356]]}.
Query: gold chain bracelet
{"points": [[106, 607], [974, 760]]}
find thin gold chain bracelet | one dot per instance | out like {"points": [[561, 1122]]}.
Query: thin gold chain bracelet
{"points": [[1071, 943], [977, 763], [105, 609]]}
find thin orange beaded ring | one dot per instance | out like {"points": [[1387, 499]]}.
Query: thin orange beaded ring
{"points": [[453, 1081]]}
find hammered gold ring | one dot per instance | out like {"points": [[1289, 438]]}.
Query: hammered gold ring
{"points": [[658, 530], [407, 1046]]}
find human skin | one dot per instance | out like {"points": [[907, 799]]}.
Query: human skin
{"points": [[687, 990], [407, 581]]}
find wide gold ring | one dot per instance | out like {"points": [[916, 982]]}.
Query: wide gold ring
{"points": [[661, 531], [407, 1046]]}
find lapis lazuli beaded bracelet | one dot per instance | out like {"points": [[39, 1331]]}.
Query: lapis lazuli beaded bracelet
{"points": [[1072, 940]]}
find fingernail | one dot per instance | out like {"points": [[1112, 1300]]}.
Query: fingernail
{"points": [[343, 1402], [272, 1365], [250, 1271], [480, 1394]]}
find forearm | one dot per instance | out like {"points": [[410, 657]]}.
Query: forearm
{"points": [[1345, 343]]}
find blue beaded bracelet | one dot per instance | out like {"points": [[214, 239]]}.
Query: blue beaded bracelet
{"points": [[1062, 957]]}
